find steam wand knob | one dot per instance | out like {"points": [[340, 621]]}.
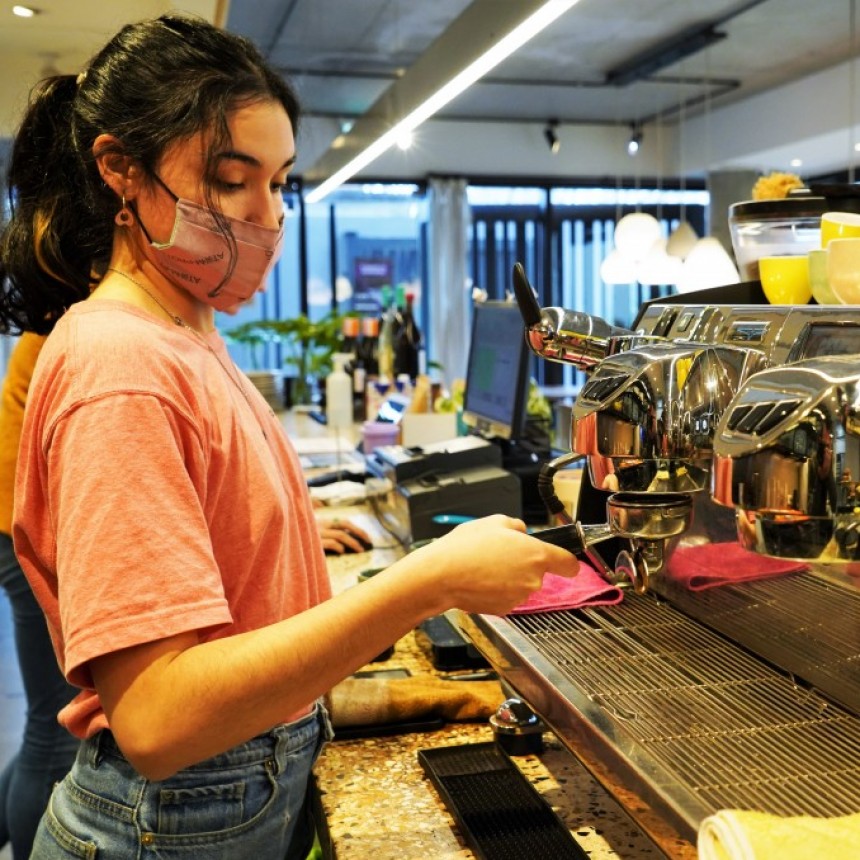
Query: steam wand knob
{"points": [[517, 728]]}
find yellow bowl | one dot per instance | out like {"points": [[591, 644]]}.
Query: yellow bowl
{"points": [[785, 280], [839, 225]]}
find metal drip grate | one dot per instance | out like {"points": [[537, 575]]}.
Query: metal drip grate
{"points": [[804, 624], [733, 730]]}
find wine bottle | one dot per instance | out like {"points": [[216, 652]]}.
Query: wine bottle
{"points": [[386, 338], [408, 343]]}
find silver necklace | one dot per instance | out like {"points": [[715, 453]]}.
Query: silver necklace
{"points": [[177, 320]]}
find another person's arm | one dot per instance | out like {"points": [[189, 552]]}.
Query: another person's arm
{"points": [[339, 535]]}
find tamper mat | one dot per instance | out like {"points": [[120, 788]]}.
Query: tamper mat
{"points": [[500, 813]]}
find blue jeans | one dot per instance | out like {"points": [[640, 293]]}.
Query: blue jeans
{"points": [[249, 802], [47, 749]]}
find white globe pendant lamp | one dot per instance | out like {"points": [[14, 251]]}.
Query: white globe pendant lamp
{"points": [[635, 234], [657, 267], [707, 265], [617, 268]]}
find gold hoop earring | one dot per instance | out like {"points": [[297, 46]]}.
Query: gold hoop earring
{"points": [[124, 218]]}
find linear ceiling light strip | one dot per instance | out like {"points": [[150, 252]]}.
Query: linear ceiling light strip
{"points": [[521, 34]]}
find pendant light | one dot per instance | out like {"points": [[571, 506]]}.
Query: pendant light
{"points": [[707, 265], [657, 268], [635, 234], [683, 237], [617, 268]]}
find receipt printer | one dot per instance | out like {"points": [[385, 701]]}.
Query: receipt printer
{"points": [[410, 487]]}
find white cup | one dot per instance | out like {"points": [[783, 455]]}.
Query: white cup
{"points": [[818, 282], [843, 270]]}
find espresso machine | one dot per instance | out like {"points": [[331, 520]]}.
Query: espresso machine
{"points": [[722, 445]]}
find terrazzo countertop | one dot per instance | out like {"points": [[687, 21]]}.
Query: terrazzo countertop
{"points": [[378, 804]]}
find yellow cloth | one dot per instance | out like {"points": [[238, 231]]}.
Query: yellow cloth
{"points": [[12, 401], [734, 834], [377, 701]]}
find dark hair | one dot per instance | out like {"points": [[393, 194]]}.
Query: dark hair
{"points": [[155, 82]]}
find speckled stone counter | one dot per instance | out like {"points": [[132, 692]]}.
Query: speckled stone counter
{"points": [[378, 804]]}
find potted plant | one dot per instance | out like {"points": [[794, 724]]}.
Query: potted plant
{"points": [[309, 346], [253, 335]]}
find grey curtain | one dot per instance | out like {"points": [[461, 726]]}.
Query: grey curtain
{"points": [[449, 293]]}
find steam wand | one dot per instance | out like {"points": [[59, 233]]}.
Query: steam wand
{"points": [[568, 533]]}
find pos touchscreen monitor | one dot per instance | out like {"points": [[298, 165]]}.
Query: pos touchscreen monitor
{"points": [[497, 374]]}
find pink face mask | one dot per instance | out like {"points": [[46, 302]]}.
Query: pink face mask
{"points": [[198, 255]]}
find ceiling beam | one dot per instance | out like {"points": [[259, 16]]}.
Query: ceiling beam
{"points": [[665, 54]]}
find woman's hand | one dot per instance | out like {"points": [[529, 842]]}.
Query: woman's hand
{"points": [[491, 565], [339, 536]]}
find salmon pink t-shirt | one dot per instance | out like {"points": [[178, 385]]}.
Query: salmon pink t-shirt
{"points": [[156, 494]]}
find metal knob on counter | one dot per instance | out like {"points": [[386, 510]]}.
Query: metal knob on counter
{"points": [[517, 728]]}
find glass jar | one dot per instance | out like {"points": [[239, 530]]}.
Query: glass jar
{"points": [[772, 228]]}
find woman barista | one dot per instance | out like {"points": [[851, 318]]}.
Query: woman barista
{"points": [[161, 515]]}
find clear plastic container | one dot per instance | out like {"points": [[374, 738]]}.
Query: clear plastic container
{"points": [[772, 228]]}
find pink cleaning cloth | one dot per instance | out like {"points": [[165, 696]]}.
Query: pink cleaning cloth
{"points": [[711, 564], [587, 588]]}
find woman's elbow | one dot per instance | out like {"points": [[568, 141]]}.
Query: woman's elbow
{"points": [[148, 754]]}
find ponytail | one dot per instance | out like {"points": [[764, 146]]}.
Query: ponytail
{"points": [[155, 82], [48, 247]]}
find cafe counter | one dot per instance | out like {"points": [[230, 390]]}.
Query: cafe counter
{"points": [[376, 802]]}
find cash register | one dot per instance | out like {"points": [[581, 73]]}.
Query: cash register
{"points": [[422, 492]]}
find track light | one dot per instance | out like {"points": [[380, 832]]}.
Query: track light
{"points": [[635, 140], [551, 135]]}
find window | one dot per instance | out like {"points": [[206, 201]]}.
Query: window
{"points": [[339, 253], [561, 236]]}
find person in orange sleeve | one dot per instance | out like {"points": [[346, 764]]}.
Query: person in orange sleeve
{"points": [[47, 749]]}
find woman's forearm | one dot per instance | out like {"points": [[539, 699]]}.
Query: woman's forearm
{"points": [[177, 702]]}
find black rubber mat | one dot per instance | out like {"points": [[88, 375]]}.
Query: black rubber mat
{"points": [[500, 813]]}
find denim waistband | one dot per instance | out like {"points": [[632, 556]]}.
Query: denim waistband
{"points": [[245, 802], [273, 745]]}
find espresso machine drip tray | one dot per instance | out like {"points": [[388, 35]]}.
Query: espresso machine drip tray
{"points": [[656, 704]]}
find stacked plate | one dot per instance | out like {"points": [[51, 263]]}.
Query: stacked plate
{"points": [[270, 384]]}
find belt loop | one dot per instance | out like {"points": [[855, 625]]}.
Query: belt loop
{"points": [[280, 736], [95, 754], [324, 717]]}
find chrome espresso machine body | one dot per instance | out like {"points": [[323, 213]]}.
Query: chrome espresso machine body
{"points": [[722, 445]]}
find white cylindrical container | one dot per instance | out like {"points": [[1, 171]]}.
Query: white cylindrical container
{"points": [[338, 394]]}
